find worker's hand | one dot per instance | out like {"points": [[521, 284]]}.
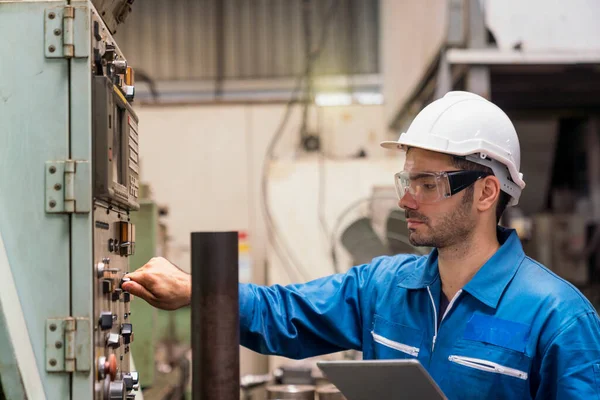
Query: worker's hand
{"points": [[161, 284]]}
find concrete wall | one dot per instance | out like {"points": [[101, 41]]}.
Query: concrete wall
{"points": [[412, 32]]}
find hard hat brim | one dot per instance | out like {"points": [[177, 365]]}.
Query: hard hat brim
{"points": [[392, 145]]}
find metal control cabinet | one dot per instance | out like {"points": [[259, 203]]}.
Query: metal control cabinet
{"points": [[68, 183]]}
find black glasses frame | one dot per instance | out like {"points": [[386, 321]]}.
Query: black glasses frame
{"points": [[460, 180]]}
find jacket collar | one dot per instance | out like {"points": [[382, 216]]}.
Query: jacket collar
{"points": [[489, 282]]}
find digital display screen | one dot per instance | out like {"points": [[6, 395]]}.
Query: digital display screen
{"points": [[118, 148]]}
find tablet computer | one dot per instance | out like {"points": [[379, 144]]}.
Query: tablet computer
{"points": [[381, 379]]}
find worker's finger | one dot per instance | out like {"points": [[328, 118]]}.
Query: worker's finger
{"points": [[141, 277], [138, 290]]}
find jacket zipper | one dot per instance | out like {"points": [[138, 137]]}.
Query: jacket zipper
{"points": [[451, 303], [435, 326], [413, 351], [488, 366], [443, 316]]}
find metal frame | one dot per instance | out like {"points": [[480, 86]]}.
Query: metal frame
{"points": [[253, 90], [474, 63], [80, 140]]}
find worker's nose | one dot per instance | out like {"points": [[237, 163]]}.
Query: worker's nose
{"points": [[408, 201]]}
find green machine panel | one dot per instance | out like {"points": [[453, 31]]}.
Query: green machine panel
{"points": [[146, 222], [66, 237], [162, 337]]}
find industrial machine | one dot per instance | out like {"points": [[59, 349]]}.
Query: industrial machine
{"points": [[69, 180]]}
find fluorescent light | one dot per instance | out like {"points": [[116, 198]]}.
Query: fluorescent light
{"points": [[368, 98], [345, 99], [333, 99]]}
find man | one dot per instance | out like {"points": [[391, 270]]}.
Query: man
{"points": [[485, 320]]}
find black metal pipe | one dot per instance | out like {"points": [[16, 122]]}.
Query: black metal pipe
{"points": [[215, 316]]}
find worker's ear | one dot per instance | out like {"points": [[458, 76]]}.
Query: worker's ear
{"points": [[487, 191]]}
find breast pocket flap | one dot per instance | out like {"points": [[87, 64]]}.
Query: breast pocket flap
{"points": [[396, 336]]}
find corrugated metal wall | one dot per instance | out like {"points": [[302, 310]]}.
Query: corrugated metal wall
{"points": [[192, 39]]}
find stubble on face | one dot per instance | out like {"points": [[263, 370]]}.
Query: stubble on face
{"points": [[452, 228]]}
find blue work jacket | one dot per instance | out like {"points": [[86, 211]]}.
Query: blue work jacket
{"points": [[516, 330]]}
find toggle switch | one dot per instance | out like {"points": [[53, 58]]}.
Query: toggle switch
{"points": [[135, 376], [107, 286], [128, 382], [113, 340], [100, 268], [127, 333], [102, 368], [126, 237], [131, 381], [116, 294], [106, 320], [103, 267], [116, 390], [126, 297]]}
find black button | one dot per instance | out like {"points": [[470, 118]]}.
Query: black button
{"points": [[126, 297], [116, 294], [126, 331], [123, 281], [106, 286], [106, 320], [128, 379]]}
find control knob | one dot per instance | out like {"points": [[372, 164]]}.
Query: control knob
{"points": [[116, 390]]}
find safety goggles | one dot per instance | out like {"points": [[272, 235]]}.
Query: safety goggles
{"points": [[431, 187]]}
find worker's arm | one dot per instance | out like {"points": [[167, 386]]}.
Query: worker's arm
{"points": [[299, 321], [570, 367], [295, 321]]}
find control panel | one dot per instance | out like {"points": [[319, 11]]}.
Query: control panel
{"points": [[114, 242], [115, 124], [115, 189]]}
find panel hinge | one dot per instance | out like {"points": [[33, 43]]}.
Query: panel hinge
{"points": [[68, 344], [66, 32], [68, 186]]}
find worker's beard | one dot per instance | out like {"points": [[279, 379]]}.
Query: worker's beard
{"points": [[453, 228]]}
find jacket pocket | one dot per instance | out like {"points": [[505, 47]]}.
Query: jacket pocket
{"points": [[488, 366], [392, 340], [479, 370]]}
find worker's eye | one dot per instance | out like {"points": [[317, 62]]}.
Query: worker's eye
{"points": [[429, 186]]}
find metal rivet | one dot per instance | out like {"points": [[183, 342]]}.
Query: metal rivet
{"points": [[58, 345], [57, 31], [52, 169], [51, 15], [53, 362], [51, 49], [58, 186], [52, 327], [52, 205]]}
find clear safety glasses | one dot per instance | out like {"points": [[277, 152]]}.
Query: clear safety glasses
{"points": [[431, 187]]}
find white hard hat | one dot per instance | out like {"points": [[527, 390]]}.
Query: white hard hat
{"points": [[465, 124]]}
